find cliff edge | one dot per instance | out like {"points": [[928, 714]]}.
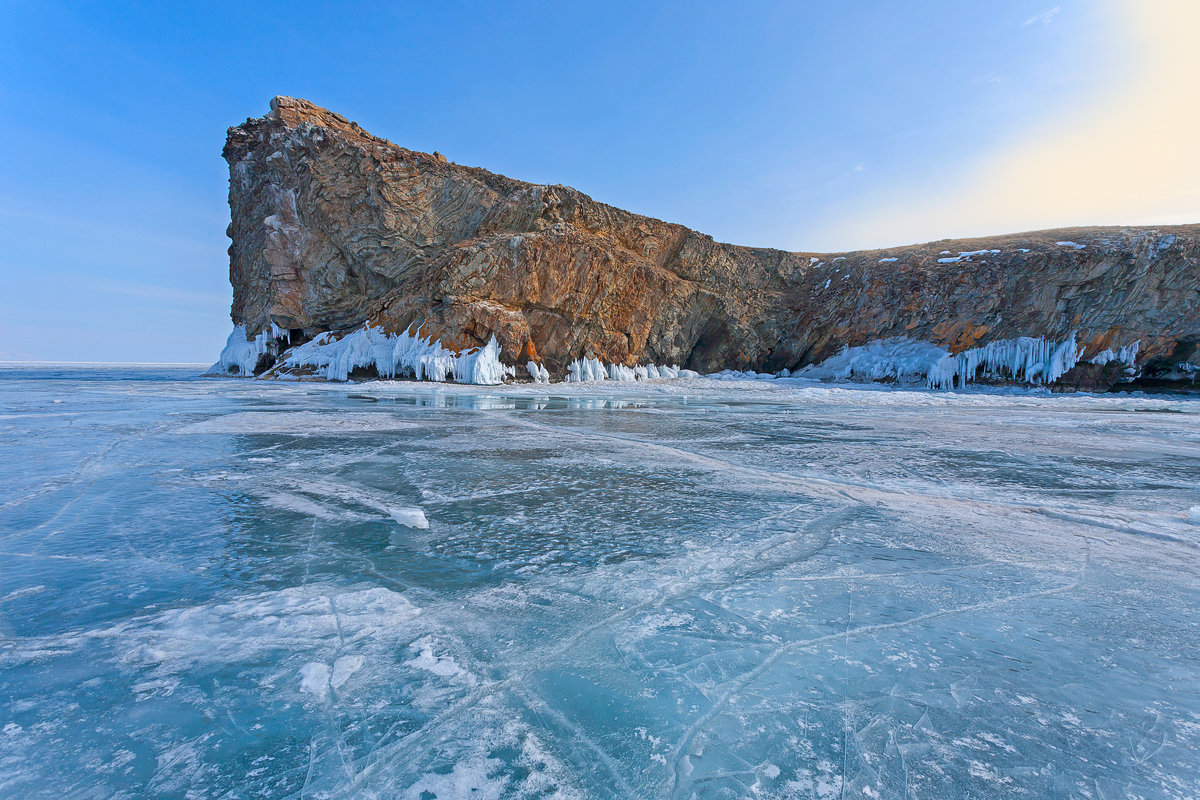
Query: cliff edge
{"points": [[345, 245]]}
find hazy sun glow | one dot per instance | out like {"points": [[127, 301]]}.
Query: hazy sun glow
{"points": [[1129, 154]]}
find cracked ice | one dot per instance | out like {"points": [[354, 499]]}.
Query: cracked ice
{"points": [[687, 589]]}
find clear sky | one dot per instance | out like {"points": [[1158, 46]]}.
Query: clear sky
{"points": [[801, 125]]}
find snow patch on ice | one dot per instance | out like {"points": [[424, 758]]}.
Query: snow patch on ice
{"points": [[298, 504], [343, 668], [479, 778], [442, 666], [404, 353], [410, 517], [317, 679], [314, 679], [245, 628]]}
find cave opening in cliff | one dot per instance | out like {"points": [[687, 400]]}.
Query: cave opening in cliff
{"points": [[364, 373], [1177, 372], [710, 345]]}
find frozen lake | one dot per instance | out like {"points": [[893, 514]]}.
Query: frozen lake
{"points": [[220, 588]]}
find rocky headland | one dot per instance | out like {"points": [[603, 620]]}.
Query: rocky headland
{"points": [[354, 257]]}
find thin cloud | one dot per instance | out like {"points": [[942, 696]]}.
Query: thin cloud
{"points": [[1044, 18], [1126, 157]]}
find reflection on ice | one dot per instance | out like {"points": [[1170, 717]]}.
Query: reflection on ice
{"points": [[699, 589]]}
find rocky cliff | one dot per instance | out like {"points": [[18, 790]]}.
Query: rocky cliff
{"points": [[334, 228]]}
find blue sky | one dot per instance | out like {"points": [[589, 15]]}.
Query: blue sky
{"points": [[775, 124]]}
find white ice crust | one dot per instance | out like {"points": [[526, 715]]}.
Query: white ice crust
{"points": [[240, 355], [1126, 355], [1025, 359], [399, 354], [883, 359], [588, 370]]}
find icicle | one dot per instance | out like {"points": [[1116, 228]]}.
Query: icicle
{"points": [[1024, 360], [240, 355], [539, 373], [403, 353], [586, 369], [1127, 355], [592, 369]]}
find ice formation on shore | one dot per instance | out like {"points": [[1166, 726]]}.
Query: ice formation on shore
{"points": [[746, 375], [883, 359], [240, 355], [1023, 360], [399, 354], [593, 369], [1126, 355], [1028, 360]]}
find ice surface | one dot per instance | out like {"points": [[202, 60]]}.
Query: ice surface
{"points": [[663, 589], [297, 422]]}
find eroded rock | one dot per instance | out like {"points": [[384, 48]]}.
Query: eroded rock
{"points": [[333, 227]]}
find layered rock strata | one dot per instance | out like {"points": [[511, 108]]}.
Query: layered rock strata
{"points": [[334, 229]]}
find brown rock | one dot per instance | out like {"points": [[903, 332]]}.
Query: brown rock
{"points": [[333, 227]]}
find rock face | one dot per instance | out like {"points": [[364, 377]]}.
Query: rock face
{"points": [[333, 227]]}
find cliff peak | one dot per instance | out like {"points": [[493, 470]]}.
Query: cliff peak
{"points": [[293, 112], [334, 228]]}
